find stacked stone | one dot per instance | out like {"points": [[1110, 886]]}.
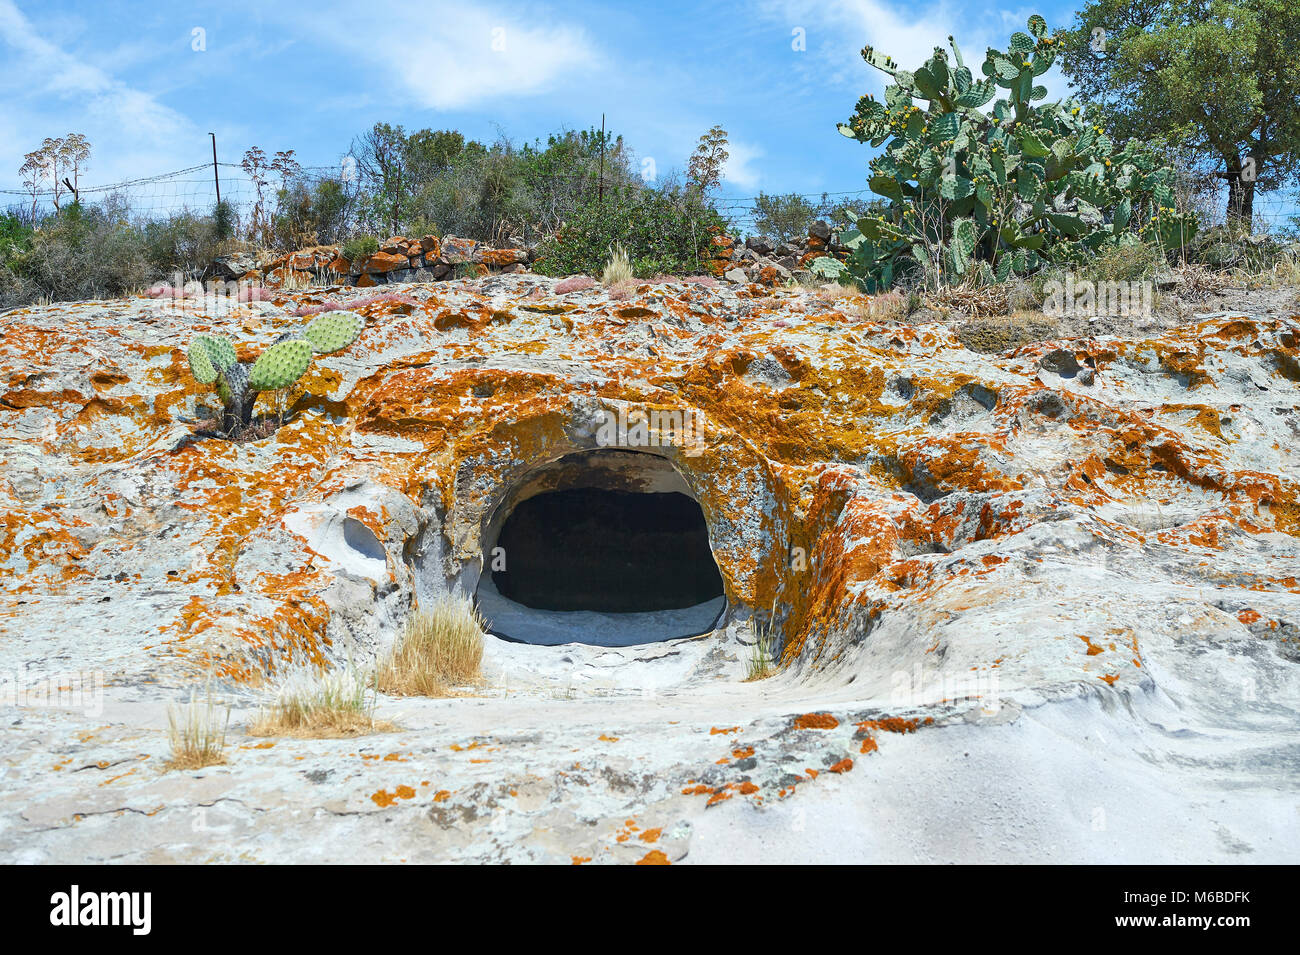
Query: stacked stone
{"points": [[398, 259], [769, 263], [718, 255], [431, 259]]}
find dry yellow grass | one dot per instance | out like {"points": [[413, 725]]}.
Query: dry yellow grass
{"points": [[974, 300], [761, 663], [198, 733], [618, 269], [891, 306], [321, 707], [441, 648]]}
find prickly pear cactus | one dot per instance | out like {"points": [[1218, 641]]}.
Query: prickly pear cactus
{"points": [[213, 361], [1014, 188], [331, 331]]}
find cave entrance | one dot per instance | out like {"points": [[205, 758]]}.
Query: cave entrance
{"points": [[606, 547]]}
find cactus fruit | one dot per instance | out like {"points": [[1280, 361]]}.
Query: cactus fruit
{"points": [[1037, 182], [213, 362]]}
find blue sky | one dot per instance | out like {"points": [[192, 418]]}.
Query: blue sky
{"points": [[146, 83], [310, 77]]}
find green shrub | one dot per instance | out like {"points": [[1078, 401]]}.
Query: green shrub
{"points": [[664, 231], [15, 237], [223, 221], [360, 248], [785, 218], [309, 214], [184, 242], [84, 253], [1129, 262]]}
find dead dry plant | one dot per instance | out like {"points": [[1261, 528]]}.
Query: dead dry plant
{"points": [[197, 732], [440, 649], [328, 706]]}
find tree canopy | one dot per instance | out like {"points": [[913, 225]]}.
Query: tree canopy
{"points": [[1219, 76]]}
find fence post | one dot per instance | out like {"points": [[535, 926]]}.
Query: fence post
{"points": [[216, 176]]}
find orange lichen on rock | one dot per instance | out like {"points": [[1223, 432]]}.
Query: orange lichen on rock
{"points": [[845, 463], [816, 721]]}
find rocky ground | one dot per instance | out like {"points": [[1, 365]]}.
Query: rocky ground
{"points": [[1039, 603]]}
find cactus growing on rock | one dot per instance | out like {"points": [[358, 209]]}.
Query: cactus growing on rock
{"points": [[987, 194], [213, 362]]}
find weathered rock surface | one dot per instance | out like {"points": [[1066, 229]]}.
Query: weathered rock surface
{"points": [[1025, 616]]}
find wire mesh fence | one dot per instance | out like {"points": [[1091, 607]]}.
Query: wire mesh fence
{"points": [[194, 190]]}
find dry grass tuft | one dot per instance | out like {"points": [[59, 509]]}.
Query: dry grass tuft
{"points": [[1197, 283], [198, 733], [441, 648], [761, 663], [618, 269], [321, 707], [623, 291]]}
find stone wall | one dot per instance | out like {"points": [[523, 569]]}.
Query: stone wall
{"points": [[432, 259], [772, 263], [399, 259]]}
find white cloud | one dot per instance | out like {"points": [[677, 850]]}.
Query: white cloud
{"points": [[132, 134], [455, 62], [739, 168], [837, 30]]}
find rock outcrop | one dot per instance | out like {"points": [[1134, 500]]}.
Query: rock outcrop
{"points": [[939, 535]]}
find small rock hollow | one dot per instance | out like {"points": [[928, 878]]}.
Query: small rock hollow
{"points": [[610, 551]]}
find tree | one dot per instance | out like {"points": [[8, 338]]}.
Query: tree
{"points": [[786, 218], [561, 176], [74, 151], [382, 156], [52, 149], [705, 169], [51, 164], [1220, 76], [286, 166], [34, 170]]}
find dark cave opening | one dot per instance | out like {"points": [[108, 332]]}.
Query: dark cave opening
{"points": [[610, 551]]}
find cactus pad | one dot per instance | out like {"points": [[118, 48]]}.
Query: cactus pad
{"points": [[200, 364], [280, 365], [331, 331], [208, 355], [221, 350]]}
